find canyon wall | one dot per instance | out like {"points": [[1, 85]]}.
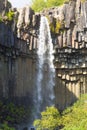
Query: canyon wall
{"points": [[19, 43]]}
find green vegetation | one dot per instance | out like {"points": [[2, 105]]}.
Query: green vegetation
{"points": [[1, 19], [10, 15], [51, 3], [83, 1], [49, 119], [12, 113], [56, 25], [38, 5], [6, 127], [73, 118]]}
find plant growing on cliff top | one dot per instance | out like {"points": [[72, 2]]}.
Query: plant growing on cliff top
{"points": [[83, 1], [51, 3], [38, 5]]}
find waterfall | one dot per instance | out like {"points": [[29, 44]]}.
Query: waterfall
{"points": [[45, 68]]}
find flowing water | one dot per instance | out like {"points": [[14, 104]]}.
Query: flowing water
{"points": [[45, 69]]}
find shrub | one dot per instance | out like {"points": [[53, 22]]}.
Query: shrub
{"points": [[49, 119], [13, 114], [72, 118], [75, 117], [6, 127]]}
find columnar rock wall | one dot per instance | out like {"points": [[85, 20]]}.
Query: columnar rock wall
{"points": [[18, 44], [68, 25]]}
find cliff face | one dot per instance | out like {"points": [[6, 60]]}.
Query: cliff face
{"points": [[19, 43], [17, 64], [68, 25]]}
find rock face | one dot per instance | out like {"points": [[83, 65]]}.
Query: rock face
{"points": [[4, 7], [19, 43], [69, 35], [17, 60], [28, 26]]}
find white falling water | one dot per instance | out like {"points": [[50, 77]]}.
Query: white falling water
{"points": [[46, 72]]}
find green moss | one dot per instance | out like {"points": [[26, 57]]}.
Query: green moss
{"points": [[10, 15], [52, 28], [1, 19], [56, 25]]}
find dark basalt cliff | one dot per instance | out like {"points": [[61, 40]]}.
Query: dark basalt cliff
{"points": [[19, 43]]}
